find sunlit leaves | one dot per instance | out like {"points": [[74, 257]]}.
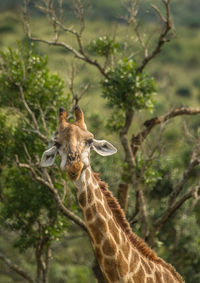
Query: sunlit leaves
{"points": [[104, 46]]}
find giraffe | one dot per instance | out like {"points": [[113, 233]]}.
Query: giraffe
{"points": [[122, 256]]}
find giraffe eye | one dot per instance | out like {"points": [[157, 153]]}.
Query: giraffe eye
{"points": [[57, 144], [89, 142]]}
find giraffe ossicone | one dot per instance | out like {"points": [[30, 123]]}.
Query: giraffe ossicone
{"points": [[122, 256]]}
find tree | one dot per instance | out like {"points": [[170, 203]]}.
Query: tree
{"points": [[31, 95], [158, 191]]}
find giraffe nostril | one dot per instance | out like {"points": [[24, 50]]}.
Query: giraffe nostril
{"points": [[61, 110], [72, 157]]}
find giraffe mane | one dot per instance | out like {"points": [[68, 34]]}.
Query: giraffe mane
{"points": [[137, 242]]}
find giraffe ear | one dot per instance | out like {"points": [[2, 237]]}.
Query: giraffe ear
{"points": [[49, 156], [103, 147]]}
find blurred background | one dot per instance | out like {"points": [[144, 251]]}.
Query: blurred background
{"points": [[26, 211]]}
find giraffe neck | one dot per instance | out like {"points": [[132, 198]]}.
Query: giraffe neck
{"points": [[122, 256], [104, 232]]}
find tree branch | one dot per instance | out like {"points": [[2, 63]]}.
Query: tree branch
{"points": [[129, 158], [32, 115], [80, 54], [163, 36], [16, 268], [137, 140], [124, 138], [194, 161], [172, 209], [49, 184], [174, 203], [193, 192]]}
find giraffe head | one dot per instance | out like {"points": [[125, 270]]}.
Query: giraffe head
{"points": [[73, 142]]}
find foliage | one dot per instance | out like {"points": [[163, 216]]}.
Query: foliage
{"points": [[148, 172], [125, 88], [116, 120], [5, 139], [23, 68], [104, 46], [27, 207]]}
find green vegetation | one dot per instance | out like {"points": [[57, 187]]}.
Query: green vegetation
{"points": [[38, 74], [125, 88]]}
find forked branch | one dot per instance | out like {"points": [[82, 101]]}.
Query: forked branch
{"points": [[178, 196], [164, 35], [137, 140], [79, 53], [192, 192]]}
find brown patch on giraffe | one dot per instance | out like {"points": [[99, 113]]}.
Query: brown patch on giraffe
{"points": [[122, 265], [113, 229], [109, 247], [98, 194], [167, 277], [158, 277], [125, 248], [134, 261], [101, 209], [150, 280], [98, 229], [90, 195], [139, 277], [91, 212], [146, 266], [82, 199], [110, 268], [88, 214], [87, 174], [94, 209]]}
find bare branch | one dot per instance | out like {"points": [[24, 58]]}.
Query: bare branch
{"points": [[194, 161], [80, 54], [124, 138], [37, 132], [136, 210], [32, 115], [42, 114], [163, 36], [16, 268], [137, 140], [174, 203], [122, 195], [158, 224], [172, 209]]}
